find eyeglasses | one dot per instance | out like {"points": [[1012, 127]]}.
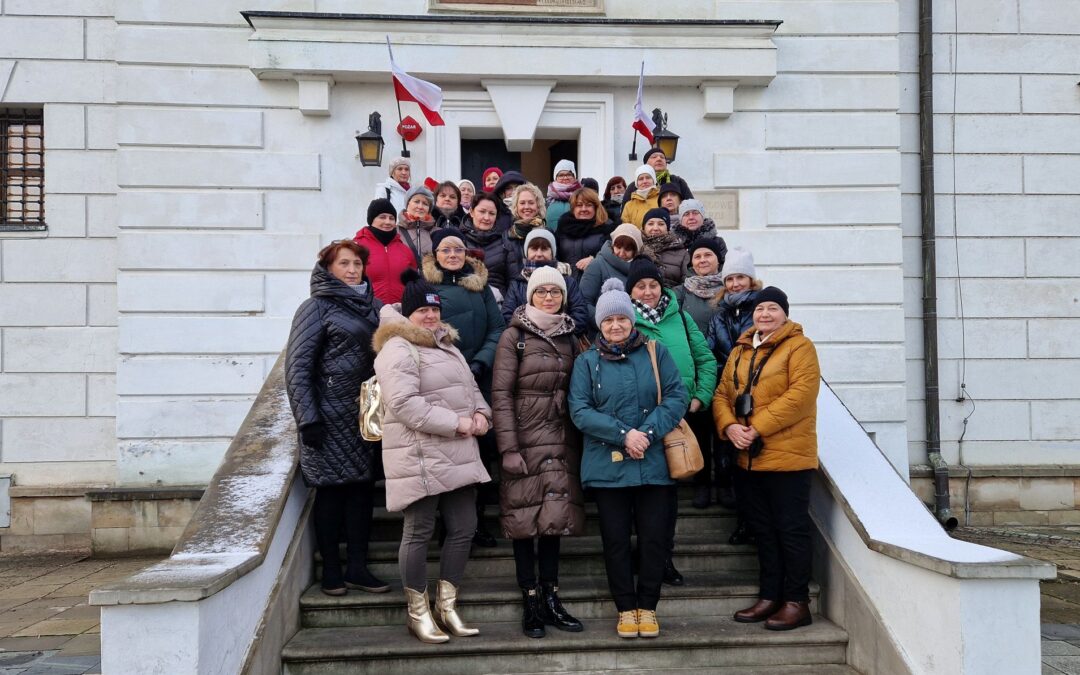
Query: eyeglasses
{"points": [[457, 250], [548, 292]]}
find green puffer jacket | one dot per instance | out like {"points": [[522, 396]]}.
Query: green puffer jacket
{"points": [[469, 306], [609, 398], [678, 332]]}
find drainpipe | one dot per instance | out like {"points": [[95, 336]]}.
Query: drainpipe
{"points": [[929, 258]]}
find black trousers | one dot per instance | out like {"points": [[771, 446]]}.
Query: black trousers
{"points": [[701, 423], [622, 510], [777, 508], [528, 552], [350, 505]]}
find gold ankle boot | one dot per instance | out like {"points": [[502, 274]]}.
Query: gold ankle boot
{"points": [[421, 623], [446, 614]]}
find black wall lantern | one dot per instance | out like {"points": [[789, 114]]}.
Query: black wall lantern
{"points": [[666, 140], [371, 142]]}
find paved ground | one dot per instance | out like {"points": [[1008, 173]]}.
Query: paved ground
{"points": [[47, 627]]}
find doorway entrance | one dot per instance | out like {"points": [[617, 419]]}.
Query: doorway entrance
{"points": [[536, 165]]}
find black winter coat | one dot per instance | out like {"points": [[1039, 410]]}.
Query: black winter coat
{"points": [[499, 253], [576, 306], [576, 239], [455, 219], [328, 357], [727, 325]]}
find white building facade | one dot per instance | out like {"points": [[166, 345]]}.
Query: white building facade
{"points": [[196, 160]]}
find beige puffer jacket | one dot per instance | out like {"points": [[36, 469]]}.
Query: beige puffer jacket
{"points": [[422, 454]]}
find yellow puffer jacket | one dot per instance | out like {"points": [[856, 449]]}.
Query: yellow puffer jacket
{"points": [[785, 398], [635, 208]]}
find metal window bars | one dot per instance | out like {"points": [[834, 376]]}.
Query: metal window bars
{"points": [[22, 170]]}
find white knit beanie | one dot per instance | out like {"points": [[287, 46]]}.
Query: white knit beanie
{"points": [[544, 275], [398, 161], [739, 261], [564, 165], [645, 168]]}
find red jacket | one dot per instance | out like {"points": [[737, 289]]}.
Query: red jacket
{"points": [[385, 264]]}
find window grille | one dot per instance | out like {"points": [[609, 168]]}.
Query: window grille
{"points": [[22, 170]]}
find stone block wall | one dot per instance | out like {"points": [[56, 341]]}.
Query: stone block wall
{"points": [[47, 519], [1006, 496], [58, 317], [1008, 182], [137, 522]]}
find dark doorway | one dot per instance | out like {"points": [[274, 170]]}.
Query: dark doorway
{"points": [[478, 154]]}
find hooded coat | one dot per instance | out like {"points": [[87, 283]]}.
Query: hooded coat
{"points": [[677, 331], [469, 306], [328, 356], [500, 258], [610, 397], [505, 218], [392, 190], [576, 239], [785, 398], [635, 208], [529, 400], [603, 267], [422, 453], [385, 264]]}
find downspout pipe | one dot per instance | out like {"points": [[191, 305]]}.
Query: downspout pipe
{"points": [[942, 510]]}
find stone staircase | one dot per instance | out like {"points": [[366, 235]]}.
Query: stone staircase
{"points": [[365, 633]]}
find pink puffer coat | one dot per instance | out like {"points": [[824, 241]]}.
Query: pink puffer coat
{"points": [[422, 454]]}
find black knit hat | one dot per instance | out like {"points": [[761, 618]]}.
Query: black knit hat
{"points": [[662, 214], [377, 207], [666, 188], [438, 235], [650, 152], [418, 293], [590, 183], [642, 268], [711, 243], [772, 294]]}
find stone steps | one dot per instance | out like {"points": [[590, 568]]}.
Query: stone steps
{"points": [[498, 599], [687, 643], [818, 669]]}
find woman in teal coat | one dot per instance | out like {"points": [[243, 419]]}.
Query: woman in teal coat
{"points": [[658, 316], [613, 401]]}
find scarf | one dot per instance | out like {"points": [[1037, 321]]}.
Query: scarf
{"points": [[478, 237], [733, 300], [544, 322], [576, 228], [618, 352], [707, 229], [668, 241], [384, 236], [557, 193], [706, 286], [360, 288], [652, 314], [404, 186], [426, 224], [644, 194], [663, 177], [520, 228]]}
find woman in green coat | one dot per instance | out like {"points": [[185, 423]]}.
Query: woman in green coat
{"points": [[659, 317], [613, 401]]}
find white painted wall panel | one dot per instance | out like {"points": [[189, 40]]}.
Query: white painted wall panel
{"points": [[180, 417], [1047, 174], [209, 251], [72, 171], [206, 168], [223, 209], [66, 215], [59, 439], [837, 55], [833, 207], [831, 130], [182, 45], [226, 12], [801, 91], [1038, 54], [101, 304], [1053, 17], [189, 126], [66, 127], [191, 292], [1051, 94], [1017, 216], [32, 395], [60, 350], [201, 86], [204, 335], [798, 169], [22, 38], [190, 375], [62, 82], [1051, 134], [42, 304], [1054, 338], [68, 260]]}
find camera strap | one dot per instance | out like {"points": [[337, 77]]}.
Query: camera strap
{"points": [[753, 376]]}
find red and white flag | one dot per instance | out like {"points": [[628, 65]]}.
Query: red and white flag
{"points": [[642, 124], [421, 92]]}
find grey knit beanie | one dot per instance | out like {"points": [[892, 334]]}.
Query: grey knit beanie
{"points": [[739, 261], [423, 192], [540, 233], [613, 300]]}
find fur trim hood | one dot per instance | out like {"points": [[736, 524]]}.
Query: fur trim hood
{"points": [[392, 324], [474, 281]]}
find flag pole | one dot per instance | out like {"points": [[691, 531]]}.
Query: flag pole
{"points": [[633, 148], [401, 120]]}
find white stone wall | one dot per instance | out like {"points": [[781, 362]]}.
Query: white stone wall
{"points": [[58, 335], [1008, 239]]}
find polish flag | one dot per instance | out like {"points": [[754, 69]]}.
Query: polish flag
{"points": [[421, 92], [642, 123]]}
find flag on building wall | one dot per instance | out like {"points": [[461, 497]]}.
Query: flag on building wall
{"points": [[421, 92], [642, 123]]}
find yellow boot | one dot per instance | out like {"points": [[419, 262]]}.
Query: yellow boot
{"points": [[628, 624], [420, 622], [648, 625], [446, 613]]}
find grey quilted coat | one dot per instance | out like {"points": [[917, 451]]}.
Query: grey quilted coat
{"points": [[328, 357], [422, 454]]}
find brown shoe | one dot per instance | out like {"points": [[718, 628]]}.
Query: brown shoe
{"points": [[791, 615], [760, 611]]}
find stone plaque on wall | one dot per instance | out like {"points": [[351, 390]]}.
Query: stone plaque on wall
{"points": [[722, 206], [520, 6]]}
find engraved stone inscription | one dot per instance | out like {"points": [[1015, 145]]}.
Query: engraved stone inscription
{"points": [[527, 6], [723, 207]]}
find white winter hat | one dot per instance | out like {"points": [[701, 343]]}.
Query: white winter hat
{"points": [[739, 261], [564, 165], [645, 168], [544, 275]]}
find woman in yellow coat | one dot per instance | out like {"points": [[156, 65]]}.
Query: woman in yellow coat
{"points": [[643, 199], [766, 405]]}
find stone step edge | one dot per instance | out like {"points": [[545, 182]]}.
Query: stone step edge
{"points": [[394, 642]]}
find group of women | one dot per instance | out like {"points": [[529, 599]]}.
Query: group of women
{"points": [[532, 326]]}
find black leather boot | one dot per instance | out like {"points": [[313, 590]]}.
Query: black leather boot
{"points": [[532, 625], [553, 612]]}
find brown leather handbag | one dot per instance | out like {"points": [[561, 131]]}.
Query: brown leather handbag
{"points": [[681, 447]]}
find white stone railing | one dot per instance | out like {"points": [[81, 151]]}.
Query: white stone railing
{"points": [[912, 598], [226, 600]]}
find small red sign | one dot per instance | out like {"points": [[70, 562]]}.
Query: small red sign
{"points": [[409, 129]]}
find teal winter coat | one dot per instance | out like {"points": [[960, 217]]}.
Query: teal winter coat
{"points": [[609, 398], [604, 266], [470, 307], [678, 332]]}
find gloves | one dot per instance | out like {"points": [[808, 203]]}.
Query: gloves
{"points": [[313, 435], [477, 369]]}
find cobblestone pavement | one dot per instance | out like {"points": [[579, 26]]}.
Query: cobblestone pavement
{"points": [[1060, 611], [46, 625]]}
